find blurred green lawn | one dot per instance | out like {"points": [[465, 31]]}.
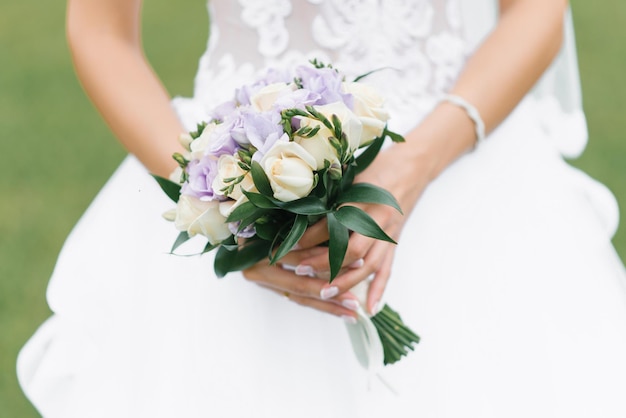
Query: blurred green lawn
{"points": [[56, 153]]}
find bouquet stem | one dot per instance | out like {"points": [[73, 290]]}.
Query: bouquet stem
{"points": [[395, 336]]}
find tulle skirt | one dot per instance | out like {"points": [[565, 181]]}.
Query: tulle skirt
{"points": [[505, 268]]}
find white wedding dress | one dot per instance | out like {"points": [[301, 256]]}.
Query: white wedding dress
{"points": [[505, 268]]}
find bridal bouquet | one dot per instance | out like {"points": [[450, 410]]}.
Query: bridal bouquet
{"points": [[278, 157]]}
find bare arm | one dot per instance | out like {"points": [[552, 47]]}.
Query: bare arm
{"points": [[104, 38], [503, 69]]}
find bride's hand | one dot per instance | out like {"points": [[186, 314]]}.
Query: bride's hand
{"points": [[366, 258]]}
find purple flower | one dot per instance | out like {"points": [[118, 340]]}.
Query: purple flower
{"points": [[247, 232], [243, 94], [326, 82], [268, 144], [201, 175], [223, 110], [298, 99], [261, 127], [222, 139]]}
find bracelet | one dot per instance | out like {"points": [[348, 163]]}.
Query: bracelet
{"points": [[471, 111]]}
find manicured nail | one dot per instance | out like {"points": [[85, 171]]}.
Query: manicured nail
{"points": [[349, 319], [376, 308], [351, 304], [288, 267], [329, 292], [296, 247], [357, 264], [371, 277], [304, 271]]}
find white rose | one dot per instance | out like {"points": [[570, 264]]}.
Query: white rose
{"points": [[200, 144], [289, 168], [369, 107], [264, 99], [201, 217], [319, 146], [350, 123], [185, 140], [227, 168]]}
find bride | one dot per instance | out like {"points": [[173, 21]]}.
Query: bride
{"points": [[504, 264]]}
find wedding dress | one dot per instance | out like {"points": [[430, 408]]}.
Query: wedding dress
{"points": [[505, 267]]}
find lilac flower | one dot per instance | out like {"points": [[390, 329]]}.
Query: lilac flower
{"points": [[262, 127], [201, 175], [223, 110], [222, 140], [326, 82], [243, 94], [247, 232], [268, 144], [298, 99]]}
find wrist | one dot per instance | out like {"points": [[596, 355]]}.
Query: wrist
{"points": [[442, 137]]}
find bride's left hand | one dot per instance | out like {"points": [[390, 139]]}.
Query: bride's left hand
{"points": [[366, 258]]}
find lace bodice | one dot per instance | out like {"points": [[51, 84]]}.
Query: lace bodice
{"points": [[419, 42]]}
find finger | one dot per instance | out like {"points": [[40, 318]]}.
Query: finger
{"points": [[372, 263], [318, 264], [315, 234], [310, 287], [379, 284], [278, 278], [295, 257], [330, 307]]}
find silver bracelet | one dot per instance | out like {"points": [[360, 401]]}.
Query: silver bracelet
{"points": [[471, 111]]}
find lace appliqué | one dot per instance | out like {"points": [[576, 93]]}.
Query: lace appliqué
{"points": [[419, 40], [419, 43], [268, 18]]}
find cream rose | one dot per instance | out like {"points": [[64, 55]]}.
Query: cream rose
{"points": [[350, 124], [319, 147], [289, 168], [227, 168], [264, 99], [369, 107], [201, 217], [200, 144]]}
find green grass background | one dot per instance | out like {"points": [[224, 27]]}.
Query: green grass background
{"points": [[55, 152]]}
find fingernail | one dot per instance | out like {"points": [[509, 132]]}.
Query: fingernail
{"points": [[351, 304], [304, 270], [296, 247], [357, 264], [349, 319], [329, 292], [376, 308], [371, 277], [288, 267]]}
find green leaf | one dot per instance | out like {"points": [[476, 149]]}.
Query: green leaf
{"points": [[368, 193], [297, 230], [394, 136], [309, 205], [337, 244], [259, 200], [171, 189], [246, 256], [243, 211], [367, 156], [209, 247], [267, 231], [260, 179], [348, 177], [180, 240], [358, 221], [362, 76]]}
